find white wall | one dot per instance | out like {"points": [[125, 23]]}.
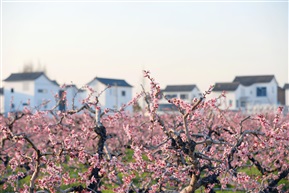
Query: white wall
{"points": [[269, 99], [73, 97], [233, 99], [16, 101], [228, 102], [254, 103], [163, 100], [262, 108], [18, 94], [114, 98], [36, 92], [45, 90], [97, 87], [287, 97], [111, 97], [195, 93], [213, 95], [2, 103], [23, 87]]}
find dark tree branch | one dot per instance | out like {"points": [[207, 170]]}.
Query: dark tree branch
{"points": [[100, 130], [271, 188]]}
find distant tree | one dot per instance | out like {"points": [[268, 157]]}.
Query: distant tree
{"points": [[29, 67]]}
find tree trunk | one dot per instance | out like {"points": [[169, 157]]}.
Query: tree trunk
{"points": [[192, 186]]}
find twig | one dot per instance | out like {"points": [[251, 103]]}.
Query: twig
{"points": [[241, 123]]}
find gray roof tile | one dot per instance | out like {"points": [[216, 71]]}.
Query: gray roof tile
{"points": [[24, 76], [226, 86], [286, 86], [113, 82], [179, 88], [55, 82], [249, 80], [27, 76]]}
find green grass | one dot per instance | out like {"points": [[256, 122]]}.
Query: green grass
{"points": [[74, 170], [219, 191]]}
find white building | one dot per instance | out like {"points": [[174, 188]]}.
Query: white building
{"points": [[118, 94], [74, 97], [33, 89], [185, 92], [251, 93], [1, 100], [233, 99], [286, 90], [283, 97]]}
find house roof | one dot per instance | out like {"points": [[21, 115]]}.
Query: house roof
{"points": [[24, 76], [73, 86], [27, 76], [226, 86], [55, 82], [179, 88], [113, 82], [1, 91], [70, 86], [249, 80], [286, 86]]}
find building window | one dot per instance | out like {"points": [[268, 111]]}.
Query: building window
{"points": [[261, 91], [230, 102], [237, 103], [123, 93], [243, 104], [184, 96], [170, 96], [12, 90], [42, 90], [62, 104]]}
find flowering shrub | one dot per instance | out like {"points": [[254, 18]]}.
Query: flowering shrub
{"points": [[199, 148]]}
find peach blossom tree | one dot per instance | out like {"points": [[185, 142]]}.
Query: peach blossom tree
{"points": [[199, 147]]}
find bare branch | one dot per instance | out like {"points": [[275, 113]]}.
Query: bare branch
{"points": [[241, 123]]}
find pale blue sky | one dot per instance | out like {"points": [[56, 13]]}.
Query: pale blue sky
{"points": [[180, 43]]}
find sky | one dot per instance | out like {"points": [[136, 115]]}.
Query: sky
{"points": [[178, 42]]}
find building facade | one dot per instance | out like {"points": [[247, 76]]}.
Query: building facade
{"points": [[249, 93], [74, 97], [187, 93], [1, 100], [33, 89], [111, 93]]}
